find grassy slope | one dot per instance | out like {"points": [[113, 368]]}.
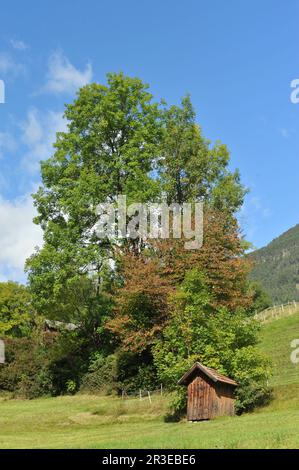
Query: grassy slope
{"points": [[276, 338], [100, 422]]}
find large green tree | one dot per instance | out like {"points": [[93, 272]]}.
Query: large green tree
{"points": [[109, 149], [118, 142]]}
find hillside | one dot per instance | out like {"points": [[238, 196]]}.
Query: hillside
{"points": [[277, 267], [89, 421], [276, 338]]}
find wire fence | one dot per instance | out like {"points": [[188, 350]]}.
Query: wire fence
{"points": [[142, 394], [277, 311]]}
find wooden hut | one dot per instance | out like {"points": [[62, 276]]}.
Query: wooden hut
{"points": [[210, 394]]}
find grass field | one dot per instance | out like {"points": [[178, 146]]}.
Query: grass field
{"points": [[276, 340], [85, 421]]}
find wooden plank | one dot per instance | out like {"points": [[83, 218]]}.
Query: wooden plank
{"points": [[207, 400]]}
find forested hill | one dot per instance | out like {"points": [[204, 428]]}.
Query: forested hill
{"points": [[277, 266]]}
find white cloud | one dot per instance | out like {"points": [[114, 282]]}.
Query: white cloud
{"points": [[39, 134], [6, 63], [18, 236], [9, 66], [18, 45], [7, 143], [63, 76]]}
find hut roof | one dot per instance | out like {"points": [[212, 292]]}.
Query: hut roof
{"points": [[211, 373]]}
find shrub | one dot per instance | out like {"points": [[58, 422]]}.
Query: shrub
{"points": [[71, 387], [26, 373], [101, 375], [45, 364], [136, 371], [177, 406]]}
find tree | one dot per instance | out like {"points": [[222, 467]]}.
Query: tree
{"points": [[221, 258], [192, 170], [260, 298], [116, 137], [141, 304], [109, 148], [16, 310]]}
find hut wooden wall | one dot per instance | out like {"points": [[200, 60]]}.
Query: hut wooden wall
{"points": [[207, 399]]}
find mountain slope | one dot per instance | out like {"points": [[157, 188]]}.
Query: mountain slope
{"points": [[277, 267]]}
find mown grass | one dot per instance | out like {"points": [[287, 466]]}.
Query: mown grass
{"points": [[85, 421]]}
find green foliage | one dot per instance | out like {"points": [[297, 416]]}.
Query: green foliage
{"points": [[277, 267], [109, 148], [115, 133], [136, 371], [26, 373], [260, 298], [16, 310], [218, 338], [192, 170], [177, 406], [119, 371], [44, 364], [71, 387], [251, 370], [102, 374], [68, 358]]}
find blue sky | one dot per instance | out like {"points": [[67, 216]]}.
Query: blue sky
{"points": [[236, 58]]}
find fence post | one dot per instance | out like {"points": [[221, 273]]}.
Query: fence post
{"points": [[149, 396], [140, 394]]}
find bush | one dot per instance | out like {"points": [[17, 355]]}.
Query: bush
{"points": [[177, 407], [136, 371], [68, 361], [45, 364], [251, 396], [101, 375], [117, 372], [26, 372], [251, 370]]}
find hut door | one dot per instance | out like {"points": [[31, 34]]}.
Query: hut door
{"points": [[198, 395]]}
